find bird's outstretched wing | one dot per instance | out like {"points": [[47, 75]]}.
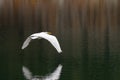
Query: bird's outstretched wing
{"points": [[27, 73], [26, 42], [53, 40], [56, 74]]}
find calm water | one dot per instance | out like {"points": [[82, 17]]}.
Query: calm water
{"points": [[88, 32]]}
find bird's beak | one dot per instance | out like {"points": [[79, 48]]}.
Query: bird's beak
{"points": [[49, 33]]}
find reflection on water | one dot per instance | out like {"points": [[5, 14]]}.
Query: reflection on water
{"points": [[88, 31], [52, 76]]}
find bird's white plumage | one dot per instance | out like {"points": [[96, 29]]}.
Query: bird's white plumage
{"points": [[26, 43], [52, 39]]}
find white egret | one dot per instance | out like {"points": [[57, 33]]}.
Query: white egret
{"points": [[52, 76], [45, 35]]}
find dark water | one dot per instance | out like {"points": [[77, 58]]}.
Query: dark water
{"points": [[88, 32]]}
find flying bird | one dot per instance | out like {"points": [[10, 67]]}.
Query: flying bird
{"points": [[45, 35], [52, 76]]}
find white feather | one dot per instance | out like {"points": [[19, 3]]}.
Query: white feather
{"points": [[26, 42]]}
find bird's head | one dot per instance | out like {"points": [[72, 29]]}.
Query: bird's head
{"points": [[49, 33]]}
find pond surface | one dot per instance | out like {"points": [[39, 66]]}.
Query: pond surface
{"points": [[88, 32]]}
